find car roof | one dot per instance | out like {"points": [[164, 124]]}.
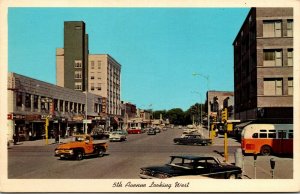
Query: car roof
{"points": [[193, 157]]}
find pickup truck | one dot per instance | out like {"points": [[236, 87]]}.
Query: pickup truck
{"points": [[81, 146], [192, 139]]}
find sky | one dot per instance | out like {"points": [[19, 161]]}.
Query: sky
{"points": [[159, 49]]}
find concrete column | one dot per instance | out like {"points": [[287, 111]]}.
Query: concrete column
{"points": [[63, 110], [32, 102], [23, 101], [58, 105], [39, 103]]}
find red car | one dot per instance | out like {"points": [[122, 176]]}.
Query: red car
{"points": [[134, 131]]}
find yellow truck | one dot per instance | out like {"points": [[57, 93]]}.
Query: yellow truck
{"points": [[81, 146]]}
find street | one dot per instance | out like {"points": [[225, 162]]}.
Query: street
{"points": [[35, 160]]}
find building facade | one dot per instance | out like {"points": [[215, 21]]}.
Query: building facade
{"points": [[263, 65], [104, 78], [217, 101], [30, 101], [74, 57]]}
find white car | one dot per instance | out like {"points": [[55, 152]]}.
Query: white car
{"points": [[117, 136]]}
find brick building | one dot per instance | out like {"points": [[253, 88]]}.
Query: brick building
{"points": [[263, 65]]}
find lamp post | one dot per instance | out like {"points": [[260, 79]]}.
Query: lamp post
{"points": [[207, 79]]}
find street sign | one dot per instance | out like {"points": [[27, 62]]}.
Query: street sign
{"points": [[87, 121]]}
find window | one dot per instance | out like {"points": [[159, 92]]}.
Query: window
{"points": [[35, 102], [92, 86], [263, 135], [66, 106], [255, 135], [99, 64], [289, 28], [272, 29], [290, 86], [19, 99], [271, 135], [92, 65], [290, 57], [77, 27], [272, 58], [78, 64], [78, 86], [27, 100], [99, 86], [282, 134], [273, 86], [92, 77], [78, 75], [291, 136]]}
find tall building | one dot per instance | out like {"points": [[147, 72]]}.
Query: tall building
{"points": [[263, 65], [104, 79], [72, 60]]}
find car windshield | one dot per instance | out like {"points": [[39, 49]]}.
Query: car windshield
{"points": [[78, 138]]}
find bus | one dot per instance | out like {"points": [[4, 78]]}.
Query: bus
{"points": [[267, 139]]}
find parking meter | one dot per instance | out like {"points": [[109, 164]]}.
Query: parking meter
{"points": [[255, 158], [272, 163]]}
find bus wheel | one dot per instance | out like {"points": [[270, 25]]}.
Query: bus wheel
{"points": [[265, 150]]}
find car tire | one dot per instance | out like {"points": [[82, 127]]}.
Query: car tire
{"points": [[232, 176], [266, 150], [100, 153], [79, 155]]}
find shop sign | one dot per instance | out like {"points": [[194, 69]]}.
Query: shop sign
{"points": [[15, 117], [45, 116], [87, 121], [77, 118], [32, 117]]}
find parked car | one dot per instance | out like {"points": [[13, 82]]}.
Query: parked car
{"points": [[134, 131], [157, 130], [192, 166], [118, 136], [165, 128], [192, 139], [151, 132]]}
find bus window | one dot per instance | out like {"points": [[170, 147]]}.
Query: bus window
{"points": [[272, 131], [291, 136], [263, 130], [255, 135], [282, 134], [271, 135], [263, 135]]}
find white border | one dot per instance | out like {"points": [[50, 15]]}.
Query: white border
{"points": [[105, 185]]}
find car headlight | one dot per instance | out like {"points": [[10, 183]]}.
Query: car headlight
{"points": [[71, 152], [56, 151]]}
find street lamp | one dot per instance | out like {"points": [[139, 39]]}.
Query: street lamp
{"points": [[207, 79]]}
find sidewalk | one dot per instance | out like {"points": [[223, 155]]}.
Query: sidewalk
{"points": [[40, 142]]}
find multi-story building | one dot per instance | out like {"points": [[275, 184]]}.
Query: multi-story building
{"points": [[263, 65], [31, 101], [72, 60], [104, 75], [98, 73], [216, 103]]}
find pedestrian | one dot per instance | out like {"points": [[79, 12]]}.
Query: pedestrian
{"points": [[15, 138], [30, 136]]}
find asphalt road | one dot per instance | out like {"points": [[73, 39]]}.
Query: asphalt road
{"points": [[123, 159], [35, 160]]}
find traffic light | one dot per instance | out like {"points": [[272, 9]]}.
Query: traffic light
{"points": [[224, 115]]}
